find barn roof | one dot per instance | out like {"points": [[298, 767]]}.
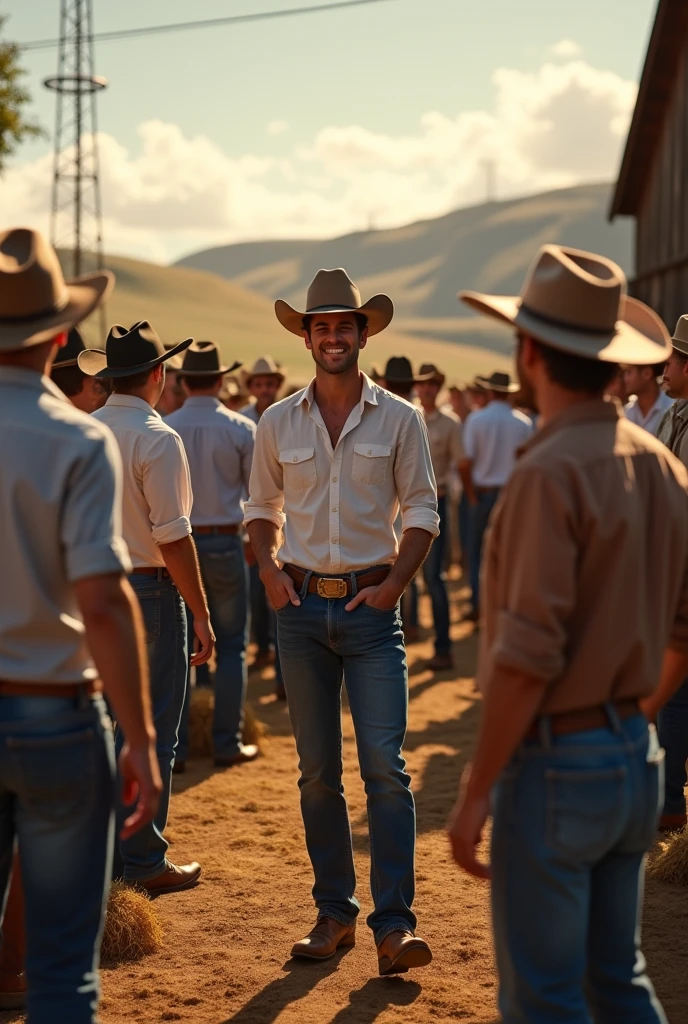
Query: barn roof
{"points": [[667, 42]]}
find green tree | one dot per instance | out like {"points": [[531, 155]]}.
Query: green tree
{"points": [[14, 127]]}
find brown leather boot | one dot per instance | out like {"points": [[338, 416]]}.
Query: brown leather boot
{"points": [[172, 879], [400, 951], [325, 939]]}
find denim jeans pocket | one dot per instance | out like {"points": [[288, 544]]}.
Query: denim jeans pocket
{"points": [[583, 808], [56, 775], [151, 609]]}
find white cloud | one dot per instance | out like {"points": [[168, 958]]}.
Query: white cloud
{"points": [[277, 127], [566, 49], [553, 127]]}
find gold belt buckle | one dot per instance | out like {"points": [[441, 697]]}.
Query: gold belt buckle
{"points": [[331, 588]]}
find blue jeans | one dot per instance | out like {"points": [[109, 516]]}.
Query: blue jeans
{"points": [[321, 645], [672, 727], [57, 771], [478, 519], [464, 529], [573, 819], [435, 581], [143, 855]]}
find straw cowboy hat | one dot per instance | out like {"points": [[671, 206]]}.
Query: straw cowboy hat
{"points": [[264, 366], [679, 341], [333, 291], [573, 301], [498, 382], [128, 352], [36, 303], [69, 354], [429, 372], [202, 359]]}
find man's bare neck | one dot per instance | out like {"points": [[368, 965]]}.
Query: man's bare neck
{"points": [[338, 391]]}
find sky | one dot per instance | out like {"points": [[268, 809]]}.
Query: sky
{"points": [[316, 125]]}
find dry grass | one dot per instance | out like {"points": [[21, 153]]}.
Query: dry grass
{"points": [[132, 929], [669, 860], [201, 724]]}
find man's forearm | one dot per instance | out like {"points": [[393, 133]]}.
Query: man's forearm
{"points": [[674, 670], [264, 540], [467, 481], [512, 702], [413, 550], [182, 562]]}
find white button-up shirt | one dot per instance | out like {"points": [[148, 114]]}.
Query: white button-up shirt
{"points": [[157, 498], [337, 507], [654, 417], [219, 447], [491, 438], [60, 521]]}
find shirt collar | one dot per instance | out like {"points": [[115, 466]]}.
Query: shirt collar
{"points": [[202, 401], [596, 410], [681, 408], [131, 402], [369, 392], [20, 376]]}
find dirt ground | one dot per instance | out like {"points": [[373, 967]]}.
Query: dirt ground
{"points": [[226, 960]]}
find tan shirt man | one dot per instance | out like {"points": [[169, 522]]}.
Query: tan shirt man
{"points": [[673, 430], [446, 445], [607, 506]]}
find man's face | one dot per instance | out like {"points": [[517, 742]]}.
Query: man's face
{"points": [[264, 388], [675, 377], [172, 396], [637, 379], [93, 395], [617, 387], [427, 392], [477, 398], [335, 342], [525, 379]]}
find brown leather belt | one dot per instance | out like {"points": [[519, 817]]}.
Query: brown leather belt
{"points": [[340, 586], [13, 689], [232, 529], [565, 722], [152, 570]]}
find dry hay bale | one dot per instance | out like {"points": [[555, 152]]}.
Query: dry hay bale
{"points": [[201, 709], [669, 861], [132, 929]]}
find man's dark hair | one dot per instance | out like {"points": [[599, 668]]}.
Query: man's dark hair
{"points": [[124, 385], [361, 322], [195, 383], [69, 379], [658, 368], [576, 373]]}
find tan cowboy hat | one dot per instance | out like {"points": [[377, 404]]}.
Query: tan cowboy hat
{"points": [[128, 352], [36, 303], [498, 382], [429, 372], [264, 366], [679, 340], [645, 320], [333, 291], [202, 359], [572, 300]]}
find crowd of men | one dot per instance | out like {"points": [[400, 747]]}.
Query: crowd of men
{"points": [[151, 500]]}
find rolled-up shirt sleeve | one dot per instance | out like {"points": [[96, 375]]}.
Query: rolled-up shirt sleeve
{"points": [[167, 488], [535, 584], [266, 486], [91, 523], [415, 479]]}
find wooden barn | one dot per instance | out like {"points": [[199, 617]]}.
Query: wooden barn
{"points": [[653, 181]]}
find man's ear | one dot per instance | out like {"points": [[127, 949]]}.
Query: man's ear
{"points": [[306, 338], [364, 338]]}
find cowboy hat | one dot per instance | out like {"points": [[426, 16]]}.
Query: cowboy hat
{"points": [[68, 355], [679, 340], [128, 352], [429, 372], [202, 359], [264, 366], [572, 300], [398, 371], [333, 291], [498, 382], [36, 303]]}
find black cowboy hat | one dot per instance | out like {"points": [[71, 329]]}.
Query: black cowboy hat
{"points": [[498, 382], [128, 352], [399, 371], [69, 354], [202, 359]]}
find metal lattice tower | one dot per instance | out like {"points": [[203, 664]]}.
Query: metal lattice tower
{"points": [[76, 218]]}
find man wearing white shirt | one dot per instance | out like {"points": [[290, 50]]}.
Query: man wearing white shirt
{"points": [[648, 402], [491, 438], [156, 508]]}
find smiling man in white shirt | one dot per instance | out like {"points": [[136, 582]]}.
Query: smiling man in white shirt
{"points": [[332, 467]]}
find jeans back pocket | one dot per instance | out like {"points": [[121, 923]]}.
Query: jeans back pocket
{"points": [[56, 774], [585, 810]]}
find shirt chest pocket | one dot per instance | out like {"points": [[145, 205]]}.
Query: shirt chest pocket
{"points": [[298, 465], [371, 463]]}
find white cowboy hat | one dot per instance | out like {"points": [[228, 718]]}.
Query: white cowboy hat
{"points": [[264, 366], [333, 291]]}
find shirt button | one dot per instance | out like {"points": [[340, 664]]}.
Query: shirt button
{"points": [[295, 459], [334, 540], [334, 479], [334, 508], [370, 451]]}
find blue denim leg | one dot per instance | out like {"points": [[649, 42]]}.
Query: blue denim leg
{"points": [[435, 581], [262, 622], [143, 855], [464, 529], [225, 577], [573, 819], [672, 726], [479, 518], [57, 771]]}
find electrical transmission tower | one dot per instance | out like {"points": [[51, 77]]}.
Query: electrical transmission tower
{"points": [[76, 217]]}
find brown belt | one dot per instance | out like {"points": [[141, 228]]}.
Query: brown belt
{"points": [[152, 570], [232, 529], [565, 722], [10, 689], [331, 587]]}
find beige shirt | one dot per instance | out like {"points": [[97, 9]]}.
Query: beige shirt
{"points": [[673, 430], [157, 498], [60, 521], [341, 504], [446, 445], [586, 568]]}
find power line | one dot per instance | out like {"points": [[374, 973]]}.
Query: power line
{"points": [[131, 33]]}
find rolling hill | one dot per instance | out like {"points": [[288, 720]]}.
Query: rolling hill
{"points": [[422, 266]]}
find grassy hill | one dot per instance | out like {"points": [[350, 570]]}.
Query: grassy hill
{"points": [[182, 302], [423, 265]]}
